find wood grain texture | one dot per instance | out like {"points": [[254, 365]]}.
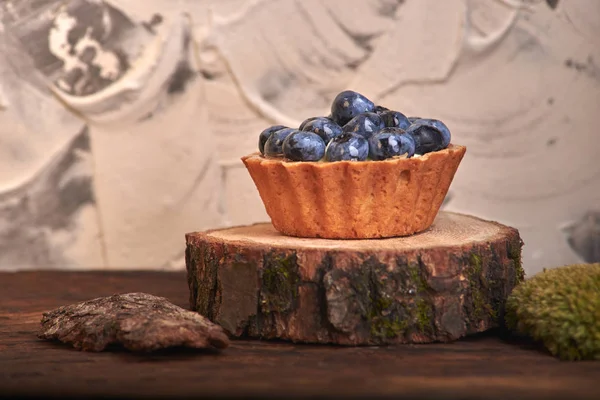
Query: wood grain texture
{"points": [[480, 367], [442, 284]]}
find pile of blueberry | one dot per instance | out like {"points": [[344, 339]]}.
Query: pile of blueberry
{"points": [[356, 130]]}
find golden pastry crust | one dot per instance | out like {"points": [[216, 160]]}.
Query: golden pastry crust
{"points": [[354, 199]]}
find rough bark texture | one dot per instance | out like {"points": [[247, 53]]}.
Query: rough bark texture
{"points": [[440, 285], [138, 321]]}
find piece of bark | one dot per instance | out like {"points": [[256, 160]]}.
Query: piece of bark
{"points": [[137, 321], [440, 285]]}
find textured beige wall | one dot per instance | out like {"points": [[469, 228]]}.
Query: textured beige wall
{"points": [[122, 122]]}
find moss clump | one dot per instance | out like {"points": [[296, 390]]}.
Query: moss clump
{"points": [[561, 308], [280, 282]]}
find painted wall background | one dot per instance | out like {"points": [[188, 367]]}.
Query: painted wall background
{"points": [[122, 122]]}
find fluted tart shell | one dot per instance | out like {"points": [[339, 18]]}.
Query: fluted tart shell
{"points": [[354, 199]]}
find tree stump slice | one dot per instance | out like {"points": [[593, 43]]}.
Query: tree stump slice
{"points": [[437, 286]]}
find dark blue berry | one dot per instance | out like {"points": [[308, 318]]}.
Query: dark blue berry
{"points": [[380, 109], [323, 127], [395, 119], [347, 146], [348, 104], [303, 146], [391, 142], [306, 121], [264, 136], [365, 124], [427, 138], [413, 119], [274, 145], [440, 126]]}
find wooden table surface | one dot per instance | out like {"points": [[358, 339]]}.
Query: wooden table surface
{"points": [[481, 367]]}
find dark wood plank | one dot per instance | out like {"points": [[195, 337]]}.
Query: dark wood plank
{"points": [[481, 367]]}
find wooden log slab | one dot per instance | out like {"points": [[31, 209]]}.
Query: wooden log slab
{"points": [[447, 282]]}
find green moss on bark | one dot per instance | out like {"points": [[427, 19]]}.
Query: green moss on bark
{"points": [[385, 323], [280, 282], [388, 318], [514, 253], [422, 312], [424, 316], [417, 277], [478, 288], [399, 301], [376, 299]]}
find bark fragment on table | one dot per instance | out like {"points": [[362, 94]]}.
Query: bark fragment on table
{"points": [[137, 321]]}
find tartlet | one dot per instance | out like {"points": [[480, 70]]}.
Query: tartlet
{"points": [[354, 200]]}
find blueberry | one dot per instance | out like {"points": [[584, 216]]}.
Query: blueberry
{"points": [[391, 142], [323, 127], [440, 126], [348, 104], [303, 146], [365, 124], [380, 109], [413, 119], [395, 119], [264, 136], [427, 137], [347, 146], [306, 121], [274, 145]]}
